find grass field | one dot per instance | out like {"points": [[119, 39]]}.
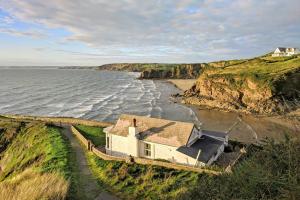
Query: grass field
{"points": [[35, 160], [95, 134]]}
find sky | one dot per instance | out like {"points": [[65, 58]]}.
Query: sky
{"points": [[94, 32]]}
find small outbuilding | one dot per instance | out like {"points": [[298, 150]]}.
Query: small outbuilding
{"points": [[153, 138]]}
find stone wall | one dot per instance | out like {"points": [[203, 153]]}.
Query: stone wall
{"points": [[64, 120]]}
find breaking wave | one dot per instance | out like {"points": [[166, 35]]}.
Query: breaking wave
{"points": [[100, 95]]}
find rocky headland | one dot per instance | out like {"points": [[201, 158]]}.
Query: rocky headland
{"points": [[262, 85], [158, 70]]}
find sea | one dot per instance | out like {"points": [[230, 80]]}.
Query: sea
{"points": [[88, 94]]}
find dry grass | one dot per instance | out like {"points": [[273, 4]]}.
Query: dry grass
{"points": [[32, 185]]}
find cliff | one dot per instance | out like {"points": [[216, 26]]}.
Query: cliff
{"points": [[156, 70], [260, 85]]}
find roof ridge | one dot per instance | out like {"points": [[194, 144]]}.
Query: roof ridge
{"points": [[156, 118]]}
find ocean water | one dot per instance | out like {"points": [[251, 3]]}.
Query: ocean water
{"points": [[89, 94]]}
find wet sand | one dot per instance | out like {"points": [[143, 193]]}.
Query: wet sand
{"points": [[183, 84], [250, 128]]}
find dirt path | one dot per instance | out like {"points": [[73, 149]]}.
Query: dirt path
{"points": [[87, 183]]}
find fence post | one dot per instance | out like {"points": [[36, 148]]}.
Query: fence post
{"points": [[89, 145]]}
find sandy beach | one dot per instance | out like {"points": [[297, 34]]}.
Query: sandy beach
{"points": [[183, 84]]}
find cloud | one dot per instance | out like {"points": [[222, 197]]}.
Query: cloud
{"points": [[7, 20], [26, 33], [175, 29]]}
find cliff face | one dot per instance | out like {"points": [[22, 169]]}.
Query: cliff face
{"points": [[155, 70], [183, 71], [262, 85]]}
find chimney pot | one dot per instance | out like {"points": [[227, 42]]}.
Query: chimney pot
{"points": [[134, 122]]}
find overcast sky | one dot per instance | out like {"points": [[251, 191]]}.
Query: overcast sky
{"points": [[93, 32]]}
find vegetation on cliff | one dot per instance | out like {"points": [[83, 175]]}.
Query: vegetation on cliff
{"points": [[261, 85], [158, 70], [34, 162]]}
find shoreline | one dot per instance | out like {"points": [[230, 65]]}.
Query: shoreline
{"points": [[252, 127], [178, 83]]}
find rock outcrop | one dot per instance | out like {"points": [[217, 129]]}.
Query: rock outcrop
{"points": [[261, 89]]}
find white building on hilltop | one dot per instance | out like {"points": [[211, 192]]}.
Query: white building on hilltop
{"points": [[282, 51], [152, 138]]}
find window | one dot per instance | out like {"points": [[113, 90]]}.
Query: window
{"points": [[107, 142], [147, 149]]}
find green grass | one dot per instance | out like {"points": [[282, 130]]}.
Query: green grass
{"points": [[262, 70], [270, 172], [134, 181], [38, 147], [95, 134]]}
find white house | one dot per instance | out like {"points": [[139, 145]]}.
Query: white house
{"points": [[152, 138], [282, 51]]}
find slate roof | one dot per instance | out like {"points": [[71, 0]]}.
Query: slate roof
{"points": [[282, 49], [208, 146], [161, 131], [285, 50], [214, 133]]}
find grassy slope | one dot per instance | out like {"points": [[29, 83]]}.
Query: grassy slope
{"points": [[270, 172], [134, 181], [262, 70], [38, 155]]}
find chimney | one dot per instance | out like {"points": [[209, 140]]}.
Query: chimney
{"points": [[133, 131], [133, 140], [134, 122]]}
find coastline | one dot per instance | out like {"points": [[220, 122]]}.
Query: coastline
{"points": [[251, 129]]}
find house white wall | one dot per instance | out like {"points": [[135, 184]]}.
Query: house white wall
{"points": [[119, 146], [277, 51], [124, 146], [288, 52], [194, 136], [160, 151]]}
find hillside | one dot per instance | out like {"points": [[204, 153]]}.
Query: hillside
{"points": [[268, 171], [33, 162], [259, 85], [156, 70]]}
